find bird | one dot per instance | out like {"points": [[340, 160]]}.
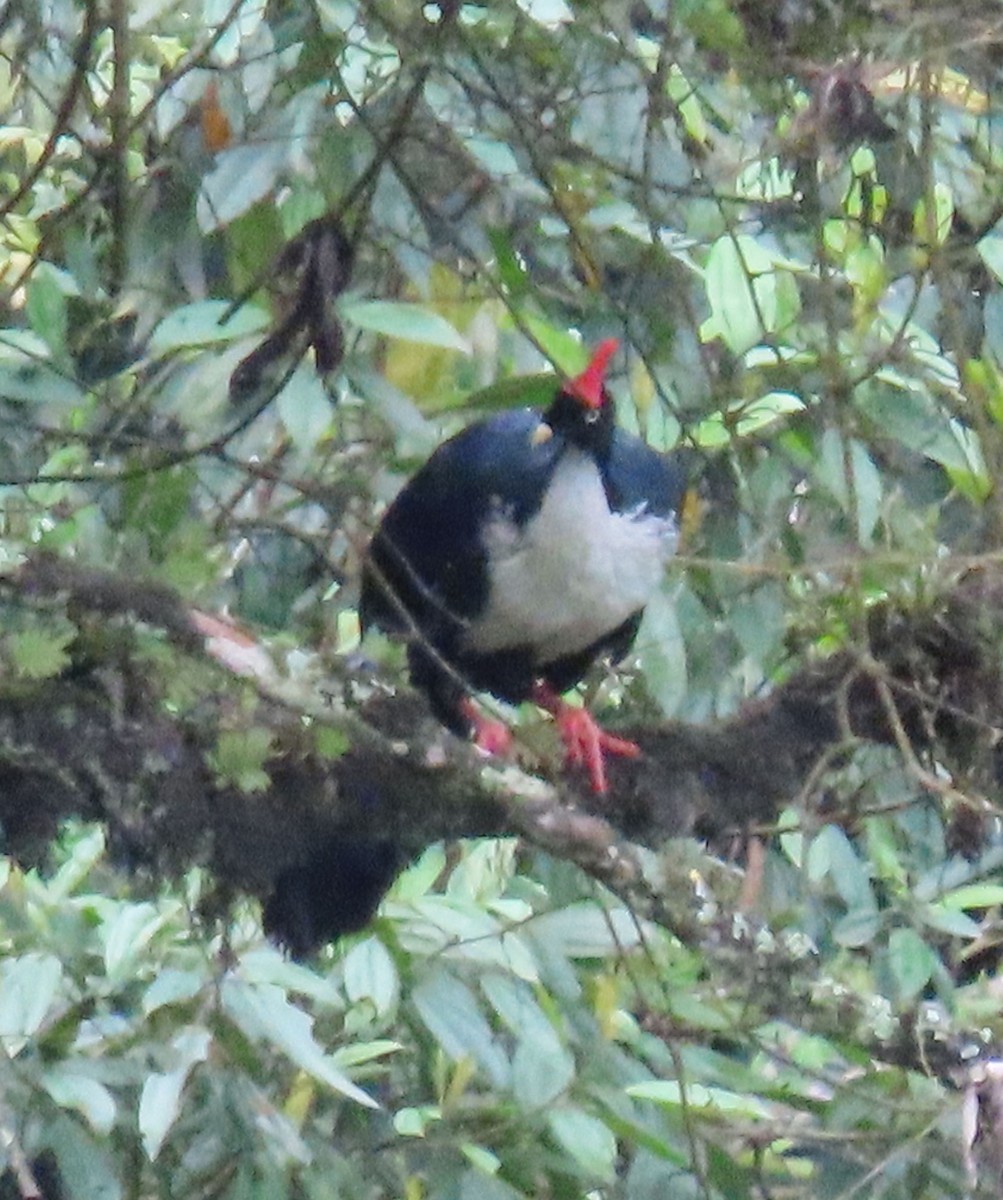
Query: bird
{"points": [[524, 550]]}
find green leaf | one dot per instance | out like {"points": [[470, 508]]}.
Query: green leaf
{"points": [[413, 1122], [662, 653], [589, 1142], [741, 290], [832, 854], [369, 973], [912, 419], [160, 1099], [758, 621], [171, 986], [990, 250], [695, 1011], [239, 758], [329, 742], [541, 1068], [399, 319], [364, 1052], [510, 266], [942, 217], [305, 408], [671, 1093], [561, 346], [912, 962], [792, 838], [87, 851], [159, 503], [587, 930], [974, 895], [70, 1087], [521, 391], [127, 936], [242, 175], [29, 986], [39, 653], [948, 920], [464, 932], [481, 1158], [84, 1160], [37, 383], [264, 1013], [450, 1012], [858, 928], [45, 307], [765, 411], [883, 850], [746, 419], [202, 324], [476, 1185], [418, 879], [515, 1001]]}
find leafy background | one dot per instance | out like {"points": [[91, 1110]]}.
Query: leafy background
{"points": [[788, 214]]}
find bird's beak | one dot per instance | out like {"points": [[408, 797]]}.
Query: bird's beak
{"points": [[541, 434]]}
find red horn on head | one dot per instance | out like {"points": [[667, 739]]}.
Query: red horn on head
{"points": [[588, 386]]}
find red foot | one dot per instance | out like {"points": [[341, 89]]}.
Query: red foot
{"points": [[584, 740], [493, 737]]}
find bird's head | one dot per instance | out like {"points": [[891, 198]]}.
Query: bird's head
{"points": [[582, 411]]}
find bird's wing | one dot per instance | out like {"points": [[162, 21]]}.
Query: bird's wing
{"points": [[430, 544], [637, 475]]}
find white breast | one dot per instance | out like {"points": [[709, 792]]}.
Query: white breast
{"points": [[573, 573]]}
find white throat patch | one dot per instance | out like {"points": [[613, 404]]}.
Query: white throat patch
{"points": [[574, 572]]}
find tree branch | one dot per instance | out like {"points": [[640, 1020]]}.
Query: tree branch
{"points": [[99, 742]]}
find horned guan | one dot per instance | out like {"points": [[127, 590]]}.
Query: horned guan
{"points": [[524, 550]]}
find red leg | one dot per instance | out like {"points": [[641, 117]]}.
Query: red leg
{"points": [[584, 740], [493, 737]]}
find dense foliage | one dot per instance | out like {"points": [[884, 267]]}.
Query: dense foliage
{"points": [[256, 261]]}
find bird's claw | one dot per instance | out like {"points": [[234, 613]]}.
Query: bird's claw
{"points": [[585, 741], [489, 735]]}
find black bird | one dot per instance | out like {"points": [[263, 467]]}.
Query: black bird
{"points": [[525, 549]]}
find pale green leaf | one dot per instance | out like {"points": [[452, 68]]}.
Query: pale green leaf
{"points": [[413, 1122], [29, 986], [741, 290], [265, 1013], [71, 1088], [662, 653], [171, 986], [949, 920], [202, 324], [974, 895], [541, 1068], [589, 1142], [46, 309], [305, 408], [409, 322], [37, 383], [586, 930], [127, 936], [160, 1099], [451, 1014], [369, 974]]}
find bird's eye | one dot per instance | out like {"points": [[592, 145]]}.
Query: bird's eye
{"points": [[591, 416]]}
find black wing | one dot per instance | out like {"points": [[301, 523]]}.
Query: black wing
{"points": [[638, 475], [427, 564]]}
